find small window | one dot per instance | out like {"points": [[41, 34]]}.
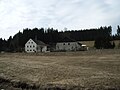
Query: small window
{"points": [[29, 42], [27, 50], [68, 43], [63, 43], [33, 46], [30, 50], [34, 50], [32, 42], [27, 46], [30, 46]]}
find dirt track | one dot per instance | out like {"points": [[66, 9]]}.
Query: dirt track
{"points": [[85, 70]]}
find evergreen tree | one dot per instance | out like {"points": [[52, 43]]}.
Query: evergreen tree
{"points": [[118, 31]]}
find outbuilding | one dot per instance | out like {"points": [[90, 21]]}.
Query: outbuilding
{"points": [[68, 44]]}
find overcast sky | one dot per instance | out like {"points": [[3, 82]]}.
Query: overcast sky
{"points": [[72, 14]]}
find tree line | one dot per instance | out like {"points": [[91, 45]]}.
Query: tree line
{"points": [[102, 36]]}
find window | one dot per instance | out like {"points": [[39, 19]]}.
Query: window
{"points": [[27, 46], [32, 42], [33, 46], [30, 46], [68, 43], [34, 50], [29, 42], [27, 50], [63, 43], [30, 50]]}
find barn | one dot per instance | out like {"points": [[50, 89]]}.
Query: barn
{"points": [[68, 44]]}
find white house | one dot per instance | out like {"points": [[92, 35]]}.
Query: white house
{"points": [[35, 46], [68, 46]]}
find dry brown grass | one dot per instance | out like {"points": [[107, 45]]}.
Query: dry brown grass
{"points": [[97, 69], [90, 44], [117, 42]]}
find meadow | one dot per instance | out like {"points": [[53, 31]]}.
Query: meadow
{"points": [[83, 70]]}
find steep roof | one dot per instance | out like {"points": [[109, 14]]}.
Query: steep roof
{"points": [[79, 43], [66, 39], [38, 42]]}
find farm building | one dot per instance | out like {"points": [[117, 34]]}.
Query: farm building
{"points": [[35, 46], [70, 45]]}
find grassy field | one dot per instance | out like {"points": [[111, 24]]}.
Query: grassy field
{"points": [[85, 70], [90, 44]]}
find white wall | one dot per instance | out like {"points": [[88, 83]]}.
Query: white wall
{"points": [[44, 49], [68, 46], [31, 46]]}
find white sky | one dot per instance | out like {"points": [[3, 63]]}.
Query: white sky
{"points": [[73, 14]]}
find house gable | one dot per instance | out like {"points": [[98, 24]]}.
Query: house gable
{"points": [[30, 41], [30, 46], [35, 46]]}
